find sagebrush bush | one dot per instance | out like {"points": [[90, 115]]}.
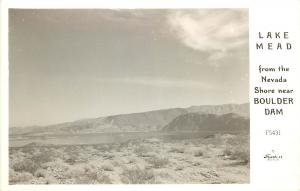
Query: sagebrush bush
{"points": [[198, 153], [237, 148], [158, 162], [131, 160], [177, 150], [179, 168], [88, 174], [108, 156], [25, 165], [243, 156], [28, 149], [95, 177], [137, 176], [42, 158], [107, 167], [227, 152], [141, 150], [71, 160], [19, 177], [103, 179], [40, 173], [107, 148]]}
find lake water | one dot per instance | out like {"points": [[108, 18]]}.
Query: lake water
{"points": [[102, 138]]}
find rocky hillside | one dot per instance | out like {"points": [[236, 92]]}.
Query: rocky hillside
{"points": [[204, 122], [152, 119]]}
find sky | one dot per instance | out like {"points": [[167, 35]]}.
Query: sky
{"points": [[67, 65]]}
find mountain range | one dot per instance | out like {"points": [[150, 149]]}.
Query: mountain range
{"points": [[195, 118]]}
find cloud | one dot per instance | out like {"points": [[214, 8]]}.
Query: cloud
{"points": [[214, 31]]}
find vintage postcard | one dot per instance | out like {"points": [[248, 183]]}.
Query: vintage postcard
{"points": [[153, 96]]}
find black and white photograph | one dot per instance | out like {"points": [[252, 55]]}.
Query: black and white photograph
{"points": [[129, 96]]}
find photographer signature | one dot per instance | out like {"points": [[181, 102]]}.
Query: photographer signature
{"points": [[272, 156]]}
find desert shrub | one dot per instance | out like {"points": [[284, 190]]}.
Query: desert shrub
{"points": [[197, 163], [227, 152], [57, 164], [237, 148], [40, 180], [198, 153], [179, 168], [137, 176], [107, 167], [131, 160], [243, 156], [142, 150], [118, 149], [51, 180], [103, 179], [115, 163], [148, 154], [97, 147], [196, 142], [42, 158], [28, 149], [177, 150], [25, 165], [19, 177], [57, 169], [90, 175], [74, 172], [71, 157], [209, 136], [157, 162], [40, 173], [124, 144], [235, 139], [108, 156], [209, 174], [107, 148], [70, 160]]}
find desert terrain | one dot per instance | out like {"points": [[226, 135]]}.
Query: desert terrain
{"points": [[189, 146]]}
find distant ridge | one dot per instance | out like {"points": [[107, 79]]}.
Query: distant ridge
{"points": [[199, 122], [144, 121], [240, 109]]}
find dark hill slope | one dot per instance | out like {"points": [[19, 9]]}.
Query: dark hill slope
{"points": [[200, 122]]}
